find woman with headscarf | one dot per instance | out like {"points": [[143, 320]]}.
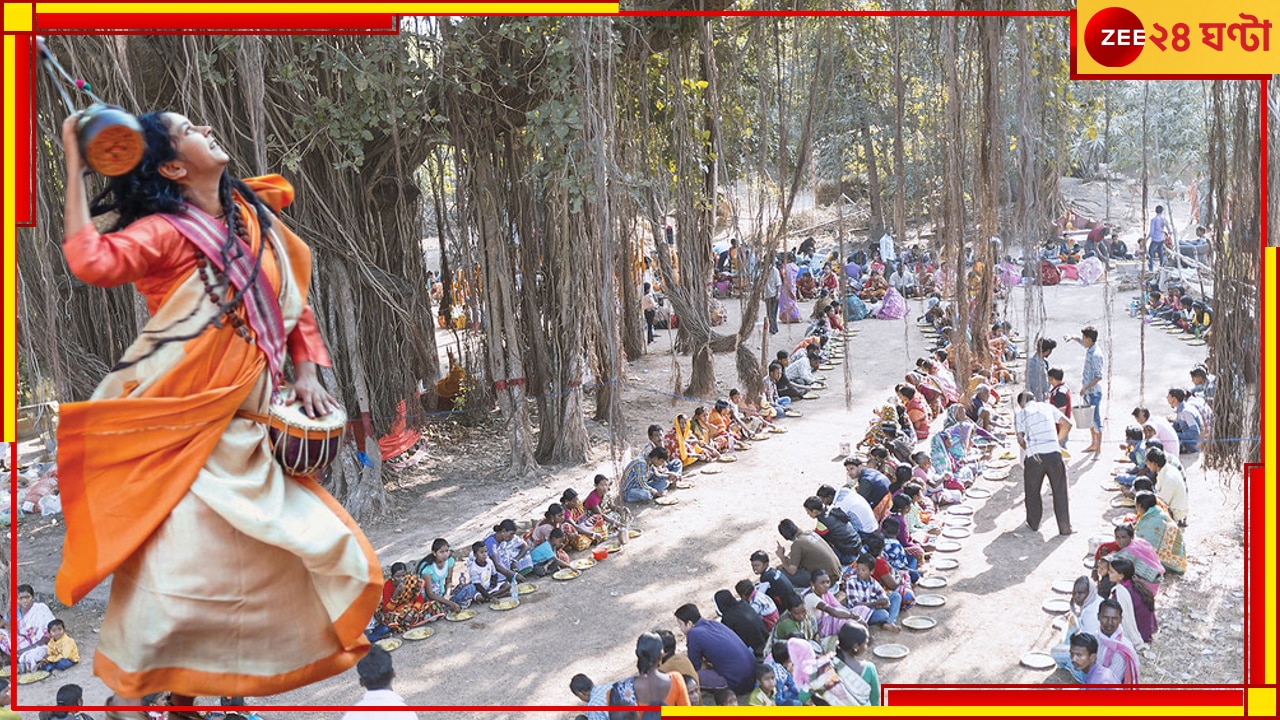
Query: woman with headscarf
{"points": [[1083, 617], [1161, 532]]}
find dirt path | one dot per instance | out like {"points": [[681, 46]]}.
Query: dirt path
{"points": [[690, 550]]}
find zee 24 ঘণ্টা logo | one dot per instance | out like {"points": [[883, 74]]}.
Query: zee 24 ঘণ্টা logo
{"points": [[1115, 37]]}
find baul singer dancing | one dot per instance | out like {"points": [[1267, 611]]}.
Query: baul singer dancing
{"points": [[230, 578]]}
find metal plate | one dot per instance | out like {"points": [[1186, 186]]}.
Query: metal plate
{"points": [[28, 678], [527, 588], [930, 600], [666, 500], [1066, 587], [957, 533], [944, 563], [419, 633], [961, 510], [919, 622], [463, 615], [504, 604], [582, 563], [1038, 660], [726, 459], [931, 583], [958, 522], [389, 644], [711, 470], [1056, 605], [891, 651], [978, 493], [1122, 502], [947, 546], [563, 574]]}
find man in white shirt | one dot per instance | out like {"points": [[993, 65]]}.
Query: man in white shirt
{"points": [[1037, 425], [854, 506], [376, 675], [886, 249]]}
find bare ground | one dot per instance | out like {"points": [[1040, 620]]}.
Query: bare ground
{"points": [[690, 550]]}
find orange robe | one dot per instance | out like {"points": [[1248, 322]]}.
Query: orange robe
{"points": [[216, 572]]}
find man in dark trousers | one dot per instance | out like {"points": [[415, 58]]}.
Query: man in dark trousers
{"points": [[1038, 425]]}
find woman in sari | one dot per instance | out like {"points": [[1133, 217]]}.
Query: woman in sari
{"points": [[1137, 601], [33, 629], [1161, 532], [860, 679], [917, 409], [788, 310], [682, 443], [1082, 617], [1146, 562], [937, 371], [929, 389], [403, 605], [795, 621], [713, 431], [950, 445], [815, 675], [822, 605], [649, 686], [873, 291], [892, 307], [590, 527], [167, 476]]}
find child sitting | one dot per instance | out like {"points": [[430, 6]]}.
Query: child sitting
{"points": [[765, 686], [549, 555], [483, 575], [760, 602], [62, 652]]}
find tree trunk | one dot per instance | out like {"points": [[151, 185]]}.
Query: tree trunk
{"points": [[899, 154], [365, 496]]}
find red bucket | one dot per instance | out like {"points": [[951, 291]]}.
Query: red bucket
{"points": [[600, 553]]}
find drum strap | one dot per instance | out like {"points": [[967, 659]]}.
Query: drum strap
{"points": [[255, 417]]}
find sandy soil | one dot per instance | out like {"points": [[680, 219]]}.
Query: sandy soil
{"points": [[690, 550]]}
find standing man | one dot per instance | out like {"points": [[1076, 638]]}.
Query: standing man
{"points": [[772, 284], [1155, 238], [1037, 425], [1038, 369], [887, 256], [1091, 384], [650, 305]]}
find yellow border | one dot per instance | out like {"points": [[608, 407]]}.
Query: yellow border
{"points": [[1266, 625], [10, 240], [496, 8], [18, 17]]}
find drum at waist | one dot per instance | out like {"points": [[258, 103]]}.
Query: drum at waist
{"points": [[302, 445]]}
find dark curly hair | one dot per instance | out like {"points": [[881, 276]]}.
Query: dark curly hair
{"points": [[144, 191]]}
